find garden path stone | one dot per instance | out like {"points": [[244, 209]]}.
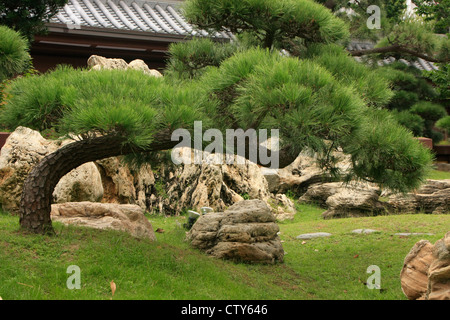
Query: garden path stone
{"points": [[364, 231], [407, 234], [306, 236]]}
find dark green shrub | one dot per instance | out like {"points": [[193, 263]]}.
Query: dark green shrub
{"points": [[413, 122], [428, 110], [403, 100]]}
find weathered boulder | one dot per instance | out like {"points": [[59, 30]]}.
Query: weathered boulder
{"points": [[363, 199], [81, 184], [345, 200], [432, 197], [139, 64], [426, 270], [218, 186], [246, 232], [439, 271], [123, 217], [282, 207], [124, 185], [414, 278], [98, 63], [23, 149]]}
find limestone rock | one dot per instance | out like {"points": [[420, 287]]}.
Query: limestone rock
{"points": [[138, 64], [320, 192], [246, 232], [124, 185], [207, 185], [23, 149], [345, 200], [125, 217], [426, 270], [283, 207], [81, 184], [98, 63], [432, 197]]}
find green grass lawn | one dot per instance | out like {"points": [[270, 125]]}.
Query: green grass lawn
{"points": [[34, 266], [438, 175]]}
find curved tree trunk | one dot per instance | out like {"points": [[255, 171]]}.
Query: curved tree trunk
{"points": [[38, 187]]}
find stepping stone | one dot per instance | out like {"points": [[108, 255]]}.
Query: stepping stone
{"points": [[313, 235], [407, 234], [364, 231]]}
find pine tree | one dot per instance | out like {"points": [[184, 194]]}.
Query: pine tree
{"points": [[320, 100]]}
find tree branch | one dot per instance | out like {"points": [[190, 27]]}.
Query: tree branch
{"points": [[396, 48]]}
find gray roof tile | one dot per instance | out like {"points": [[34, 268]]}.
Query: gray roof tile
{"points": [[137, 15]]}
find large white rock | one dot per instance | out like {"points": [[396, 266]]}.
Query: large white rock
{"points": [[23, 149], [213, 185]]}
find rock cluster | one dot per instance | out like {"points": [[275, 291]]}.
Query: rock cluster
{"points": [[213, 185], [309, 182], [167, 188], [245, 232], [98, 63], [426, 271]]}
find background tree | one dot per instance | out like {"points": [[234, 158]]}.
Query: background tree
{"points": [[398, 33], [316, 103], [409, 38], [271, 23], [355, 13], [28, 16], [436, 11]]}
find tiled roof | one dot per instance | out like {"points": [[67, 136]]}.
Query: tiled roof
{"points": [[419, 63], [147, 16]]}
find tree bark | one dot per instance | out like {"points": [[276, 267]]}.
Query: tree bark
{"points": [[396, 48]]}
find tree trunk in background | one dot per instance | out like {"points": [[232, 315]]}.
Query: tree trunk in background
{"points": [[38, 188]]}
